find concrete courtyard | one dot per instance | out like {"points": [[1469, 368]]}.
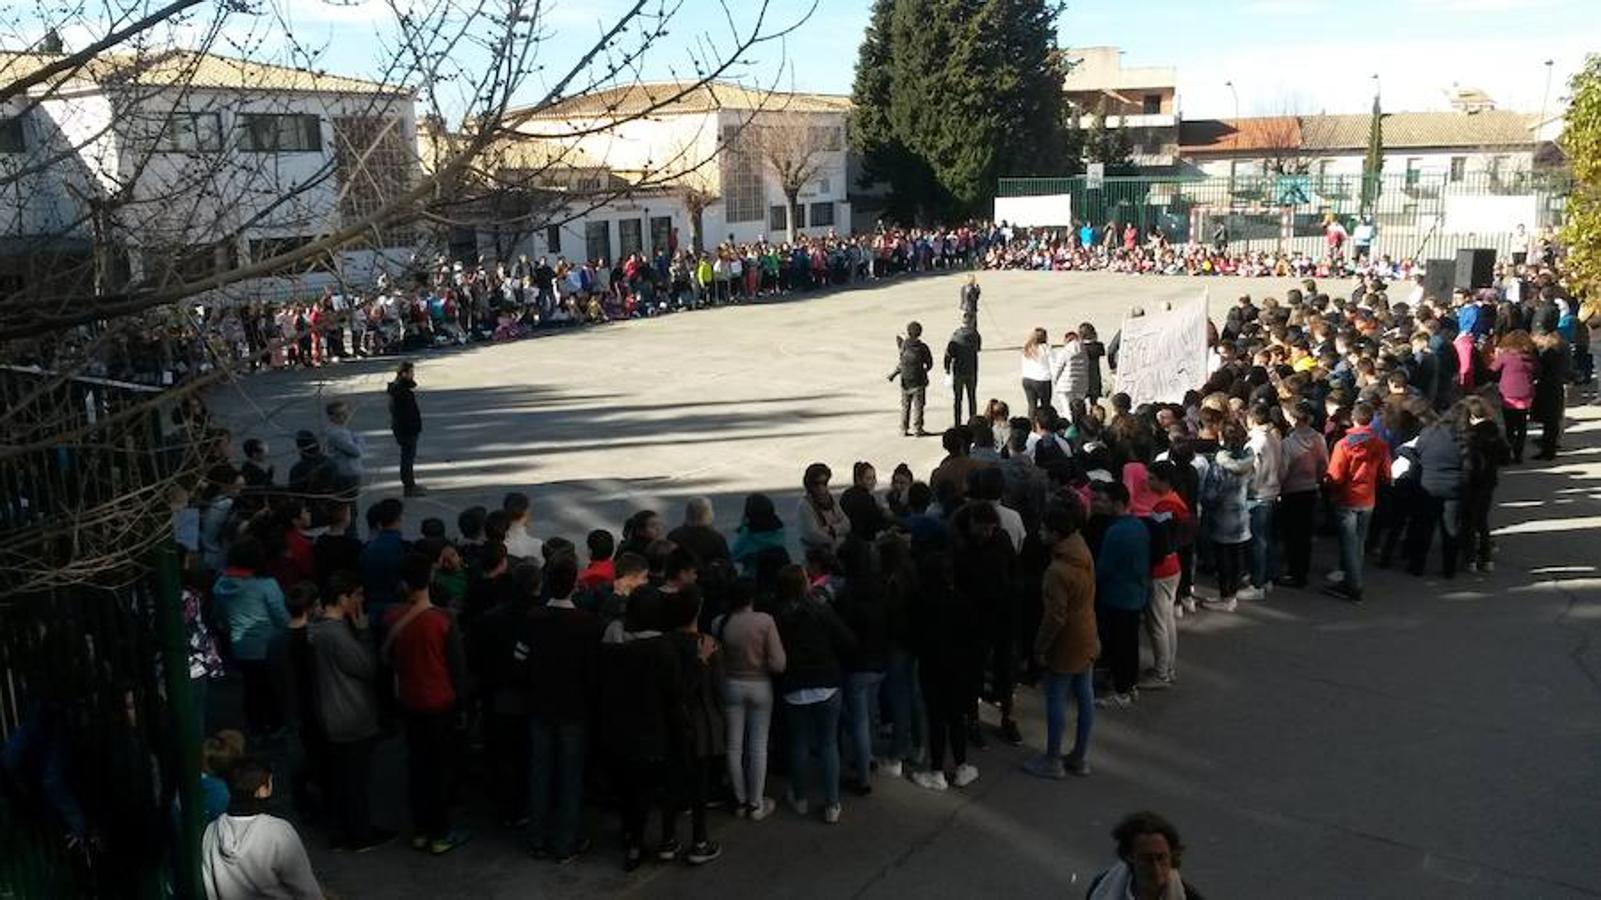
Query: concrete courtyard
{"points": [[1440, 741]]}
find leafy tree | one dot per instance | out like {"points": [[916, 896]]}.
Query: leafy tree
{"points": [[953, 94], [1373, 163], [1581, 141]]}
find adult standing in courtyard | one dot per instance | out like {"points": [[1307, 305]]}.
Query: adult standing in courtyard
{"points": [[405, 421], [961, 362], [912, 370], [347, 449], [968, 303]]}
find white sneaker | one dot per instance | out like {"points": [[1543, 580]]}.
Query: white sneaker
{"points": [[1114, 701], [1178, 610], [1227, 604], [763, 809], [831, 813], [801, 807], [890, 768], [966, 774], [1189, 603], [1335, 577], [1251, 593], [934, 781]]}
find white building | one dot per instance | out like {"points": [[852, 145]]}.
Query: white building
{"points": [[183, 164], [1142, 101], [684, 136]]}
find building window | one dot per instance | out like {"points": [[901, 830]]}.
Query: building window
{"points": [[589, 184], [661, 233], [190, 132], [259, 133], [1414, 167], [176, 265], [552, 238], [826, 137], [824, 185], [630, 237], [1151, 105], [267, 248], [822, 215], [777, 219], [1459, 167], [597, 240], [374, 168], [743, 197], [11, 138]]}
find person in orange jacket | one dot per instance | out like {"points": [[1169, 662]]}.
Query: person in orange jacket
{"points": [[1359, 464]]}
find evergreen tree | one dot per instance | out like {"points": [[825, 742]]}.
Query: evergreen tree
{"points": [[954, 94], [1581, 142], [1373, 163]]}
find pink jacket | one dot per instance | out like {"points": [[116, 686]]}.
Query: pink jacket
{"points": [[1464, 360], [1517, 378]]}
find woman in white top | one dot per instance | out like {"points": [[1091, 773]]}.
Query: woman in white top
{"points": [[1037, 370], [1070, 370]]}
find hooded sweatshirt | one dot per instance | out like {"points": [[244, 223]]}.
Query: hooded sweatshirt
{"points": [[1223, 496], [254, 610], [253, 857]]}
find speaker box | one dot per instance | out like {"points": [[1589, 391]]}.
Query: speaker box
{"points": [[1475, 268], [1438, 275]]}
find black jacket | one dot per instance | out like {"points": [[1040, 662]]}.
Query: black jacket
{"points": [[866, 516], [1440, 457], [915, 362], [961, 353], [969, 301], [404, 416], [1488, 451], [639, 713], [704, 541], [864, 609], [815, 644], [557, 649]]}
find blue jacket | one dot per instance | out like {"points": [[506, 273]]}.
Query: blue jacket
{"points": [[254, 609], [380, 569], [1123, 566], [1224, 513]]}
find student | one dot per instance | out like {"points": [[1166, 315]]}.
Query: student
{"points": [[915, 361], [944, 637], [346, 671], [1066, 643], [1122, 589], [520, 545], [247, 854], [253, 608], [753, 654], [1359, 463], [1036, 367], [601, 570], [1225, 513], [423, 645], [815, 642]]}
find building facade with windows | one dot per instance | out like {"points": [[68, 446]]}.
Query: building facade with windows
{"points": [[708, 139], [1141, 101], [167, 169]]}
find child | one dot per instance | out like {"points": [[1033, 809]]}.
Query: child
{"points": [[601, 571]]}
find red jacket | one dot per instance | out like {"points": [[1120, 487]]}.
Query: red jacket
{"points": [[1359, 464]]}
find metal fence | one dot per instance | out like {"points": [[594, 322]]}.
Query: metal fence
{"points": [[1417, 215], [97, 736]]}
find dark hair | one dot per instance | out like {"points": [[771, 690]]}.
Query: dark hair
{"points": [[1114, 491], [557, 546], [955, 441], [679, 608], [859, 469], [791, 584], [342, 583], [561, 575], [987, 483], [601, 544], [760, 515], [253, 446], [1163, 470], [679, 561], [914, 329], [657, 553], [416, 570], [433, 527], [496, 524], [527, 581], [387, 512], [903, 469], [247, 776], [629, 564], [1362, 413], [515, 504], [247, 553], [815, 473], [919, 496], [1145, 822], [471, 523], [306, 442], [491, 555], [300, 598]]}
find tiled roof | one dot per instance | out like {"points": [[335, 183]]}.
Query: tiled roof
{"points": [[1402, 131], [673, 97], [206, 71]]}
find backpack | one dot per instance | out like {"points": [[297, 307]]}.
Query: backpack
{"points": [[1048, 450]]}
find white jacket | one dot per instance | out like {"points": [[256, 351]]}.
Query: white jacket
{"points": [[1070, 372], [1266, 446], [249, 857]]}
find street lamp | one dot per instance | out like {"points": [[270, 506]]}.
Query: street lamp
{"points": [[1234, 161], [1538, 125], [1230, 86]]}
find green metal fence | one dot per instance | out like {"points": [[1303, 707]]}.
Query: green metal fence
{"points": [[1417, 215]]}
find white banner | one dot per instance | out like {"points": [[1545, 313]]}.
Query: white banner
{"points": [[1040, 211], [1163, 353]]}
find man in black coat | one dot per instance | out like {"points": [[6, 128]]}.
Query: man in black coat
{"points": [[405, 420], [961, 363], [912, 370]]}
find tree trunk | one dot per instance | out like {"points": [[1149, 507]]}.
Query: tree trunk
{"points": [[697, 240], [794, 205]]}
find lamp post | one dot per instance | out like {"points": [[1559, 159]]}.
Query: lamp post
{"points": [[1545, 98], [1234, 161]]}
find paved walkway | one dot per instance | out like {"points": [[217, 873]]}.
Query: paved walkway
{"points": [[1438, 742]]}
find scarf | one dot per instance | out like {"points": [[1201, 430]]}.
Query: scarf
{"points": [[1117, 883]]}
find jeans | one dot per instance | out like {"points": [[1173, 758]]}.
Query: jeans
{"points": [[861, 696], [905, 704], [1264, 558], [748, 707], [1443, 514], [1038, 393], [349, 789], [912, 402], [1057, 686], [556, 765], [408, 459], [814, 728], [1353, 524], [1120, 636], [1297, 517], [428, 753], [1517, 430], [1161, 625], [1230, 559], [968, 385]]}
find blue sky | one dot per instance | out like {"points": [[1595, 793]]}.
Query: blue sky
{"points": [[1282, 55]]}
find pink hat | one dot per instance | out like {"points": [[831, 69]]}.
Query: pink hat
{"points": [[1141, 500]]}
